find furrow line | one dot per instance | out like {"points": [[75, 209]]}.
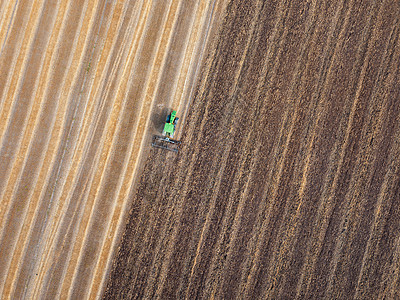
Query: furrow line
{"points": [[328, 205], [65, 184], [13, 92], [352, 194], [96, 131], [63, 149], [249, 271], [6, 20], [242, 160], [215, 185], [294, 229], [378, 127], [13, 60], [15, 209], [41, 92], [46, 173], [37, 151]]}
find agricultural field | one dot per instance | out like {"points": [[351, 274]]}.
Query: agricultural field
{"points": [[287, 185], [84, 85]]}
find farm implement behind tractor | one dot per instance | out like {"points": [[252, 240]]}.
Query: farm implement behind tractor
{"points": [[166, 141]]}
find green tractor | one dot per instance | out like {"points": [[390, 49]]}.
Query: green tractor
{"points": [[165, 141]]}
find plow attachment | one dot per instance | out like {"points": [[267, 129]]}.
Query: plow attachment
{"points": [[165, 142]]}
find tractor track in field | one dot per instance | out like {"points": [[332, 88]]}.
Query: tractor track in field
{"points": [[287, 184]]}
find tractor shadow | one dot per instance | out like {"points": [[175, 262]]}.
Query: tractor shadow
{"points": [[158, 119]]}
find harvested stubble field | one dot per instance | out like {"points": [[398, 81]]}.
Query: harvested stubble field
{"points": [[84, 85], [287, 184]]}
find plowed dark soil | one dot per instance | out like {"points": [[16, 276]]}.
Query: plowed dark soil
{"points": [[84, 85], [287, 184]]}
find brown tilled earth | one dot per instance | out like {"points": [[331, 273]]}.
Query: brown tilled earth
{"points": [[84, 85], [288, 182]]}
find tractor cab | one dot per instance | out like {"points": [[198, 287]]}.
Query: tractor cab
{"points": [[170, 124]]}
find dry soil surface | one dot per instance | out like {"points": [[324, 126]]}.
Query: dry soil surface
{"points": [[83, 86], [288, 182]]}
